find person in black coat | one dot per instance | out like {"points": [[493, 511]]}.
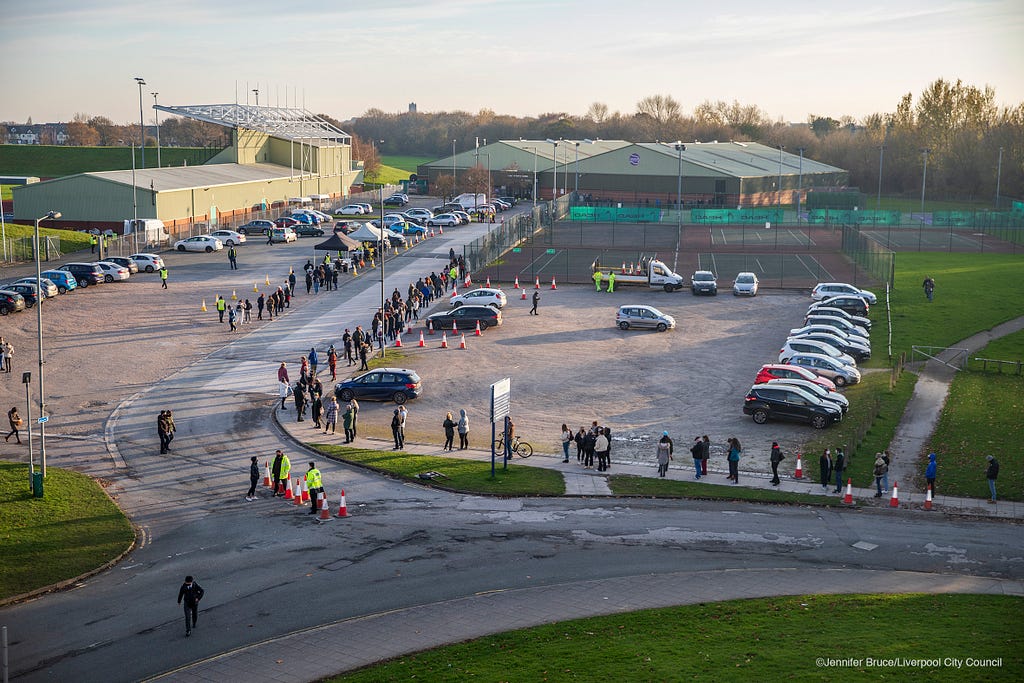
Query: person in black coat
{"points": [[589, 441], [579, 440], [449, 431], [191, 593], [254, 477], [825, 468], [300, 400], [775, 459]]}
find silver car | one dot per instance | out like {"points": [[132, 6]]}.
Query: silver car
{"points": [[826, 366], [643, 317], [745, 284]]}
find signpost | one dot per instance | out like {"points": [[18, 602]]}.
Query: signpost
{"points": [[500, 399]]}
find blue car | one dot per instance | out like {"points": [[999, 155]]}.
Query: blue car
{"points": [[381, 384], [306, 218], [406, 228], [64, 280]]}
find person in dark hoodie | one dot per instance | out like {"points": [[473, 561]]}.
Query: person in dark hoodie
{"points": [[775, 459], [930, 471], [191, 592], [697, 451], [254, 477], [992, 473]]}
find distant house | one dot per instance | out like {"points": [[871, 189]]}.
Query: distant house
{"points": [[38, 134]]}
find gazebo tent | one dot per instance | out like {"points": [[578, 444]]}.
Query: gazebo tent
{"points": [[366, 233], [337, 242]]}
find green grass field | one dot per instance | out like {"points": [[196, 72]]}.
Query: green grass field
{"points": [[773, 639], [409, 164], [628, 485], [52, 161], [70, 240], [387, 175], [74, 528]]}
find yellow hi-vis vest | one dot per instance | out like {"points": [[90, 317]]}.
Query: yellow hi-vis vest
{"points": [[221, 304], [286, 467], [313, 479]]}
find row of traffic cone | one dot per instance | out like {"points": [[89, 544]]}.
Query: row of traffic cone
{"points": [[297, 492]]}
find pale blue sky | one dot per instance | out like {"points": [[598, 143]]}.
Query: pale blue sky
{"points": [[522, 57]]}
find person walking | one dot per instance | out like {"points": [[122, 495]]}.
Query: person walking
{"points": [[734, 459], [331, 416], [15, 421], [697, 451], [315, 485], [705, 456], [929, 290], [396, 430], [449, 431], [885, 477], [163, 430], [597, 280], [992, 473], [463, 429], [190, 593], [663, 453], [566, 440], [930, 471], [254, 477], [880, 470], [171, 428], [309, 280], [775, 458], [332, 362], [364, 348], [232, 317], [838, 467], [314, 360], [347, 340], [247, 311], [221, 307], [536, 300], [232, 257], [163, 277], [825, 468], [347, 420], [611, 281], [602, 444]]}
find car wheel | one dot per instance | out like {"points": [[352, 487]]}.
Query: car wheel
{"points": [[149, 269], [108, 278], [840, 381], [209, 250], [457, 304], [784, 361], [346, 395], [669, 288], [181, 247], [83, 283], [662, 327], [400, 397], [819, 422], [62, 290], [29, 304], [483, 325], [230, 243], [623, 325], [760, 416], [4, 310]]}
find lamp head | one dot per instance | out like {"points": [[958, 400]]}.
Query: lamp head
{"points": [[53, 214], [140, 81]]}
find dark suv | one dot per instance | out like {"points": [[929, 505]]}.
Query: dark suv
{"points": [[11, 302], [704, 282], [381, 384], [85, 273], [766, 401]]}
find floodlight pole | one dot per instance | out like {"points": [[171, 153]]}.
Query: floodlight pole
{"points": [[778, 197], [142, 122], [156, 113], [999, 175], [554, 173], [383, 343], [924, 177], [453, 167], [881, 157], [680, 148], [800, 182], [256, 91], [39, 325]]}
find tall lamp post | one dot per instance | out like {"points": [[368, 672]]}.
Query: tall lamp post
{"points": [[779, 197], [534, 192], [156, 113], [999, 175], [453, 166], [52, 215], [881, 157], [380, 251], [256, 92], [924, 177], [554, 167], [680, 148], [576, 187], [142, 122], [800, 182]]}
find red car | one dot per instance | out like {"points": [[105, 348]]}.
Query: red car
{"points": [[285, 222], [780, 371]]}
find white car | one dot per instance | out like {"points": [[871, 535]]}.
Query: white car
{"points": [[48, 287], [482, 296], [796, 345], [351, 210], [113, 271], [148, 262], [199, 243], [826, 290], [463, 216], [445, 219], [858, 320], [746, 284], [367, 208], [229, 237], [420, 215]]}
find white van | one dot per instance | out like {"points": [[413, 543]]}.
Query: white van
{"points": [[150, 230]]}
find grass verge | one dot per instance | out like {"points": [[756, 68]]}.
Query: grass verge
{"points": [[767, 639], [468, 476], [74, 528], [630, 485], [70, 240], [406, 163], [52, 161]]}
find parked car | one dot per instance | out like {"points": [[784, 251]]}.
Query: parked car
{"points": [[285, 222], [229, 237], [826, 366], [64, 280], [771, 371], [381, 384], [704, 282], [511, 201], [48, 286], [307, 218], [827, 290], [858, 320], [367, 208], [795, 345], [395, 239], [420, 214], [838, 323], [481, 296], [308, 231], [11, 302], [125, 262], [86, 274], [856, 350], [745, 284], [638, 316], [283, 235], [462, 216], [500, 205], [446, 220], [199, 243], [466, 318], [112, 271], [396, 200], [28, 291], [351, 210], [815, 389], [829, 329], [148, 262], [854, 305], [407, 228], [258, 227], [765, 402]]}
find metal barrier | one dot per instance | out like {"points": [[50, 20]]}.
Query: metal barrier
{"points": [[1015, 365]]}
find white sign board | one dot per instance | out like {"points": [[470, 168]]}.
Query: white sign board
{"points": [[500, 398]]}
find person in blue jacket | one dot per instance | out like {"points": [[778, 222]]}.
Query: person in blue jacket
{"points": [[929, 472]]}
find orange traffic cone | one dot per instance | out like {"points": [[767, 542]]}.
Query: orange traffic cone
{"points": [[430, 327], [325, 512], [455, 291], [553, 284], [516, 284], [203, 307], [488, 285], [266, 474], [422, 343], [288, 489], [297, 497], [440, 230], [848, 498], [523, 297], [255, 288], [462, 344], [305, 491], [477, 333], [455, 327], [444, 340], [894, 502], [927, 500], [536, 283], [398, 341], [799, 473], [342, 507], [468, 281]]}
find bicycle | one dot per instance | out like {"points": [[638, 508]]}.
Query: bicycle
{"points": [[520, 448]]}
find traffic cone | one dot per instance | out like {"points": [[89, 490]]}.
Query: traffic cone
{"points": [[799, 473], [444, 340], [422, 343], [234, 297], [373, 264], [553, 284], [440, 230], [396, 248], [288, 489], [488, 285], [398, 342], [255, 288], [455, 291], [623, 267], [462, 344], [266, 281], [894, 502], [354, 271], [430, 327], [927, 500], [477, 333], [848, 498], [536, 283], [516, 285], [431, 232], [407, 244], [297, 496], [266, 474], [305, 491], [523, 297], [342, 507], [203, 307], [467, 282], [455, 327], [325, 512]]}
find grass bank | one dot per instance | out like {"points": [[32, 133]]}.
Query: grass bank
{"points": [[74, 528], [769, 639], [406, 163], [53, 161], [622, 484], [70, 240]]}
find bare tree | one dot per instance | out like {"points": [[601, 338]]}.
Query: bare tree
{"points": [[661, 108], [444, 186], [476, 180], [597, 112]]}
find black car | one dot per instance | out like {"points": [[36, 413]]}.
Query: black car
{"points": [[854, 305], [771, 402], [466, 318], [86, 273], [258, 227], [29, 292], [11, 302], [381, 384], [124, 261], [395, 200], [304, 230]]}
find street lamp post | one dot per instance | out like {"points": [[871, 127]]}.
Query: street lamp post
{"points": [[52, 215], [576, 187], [999, 175], [156, 113], [142, 122], [256, 91], [380, 252], [924, 177], [26, 379], [800, 182], [778, 197], [554, 171], [453, 167], [881, 157], [680, 148]]}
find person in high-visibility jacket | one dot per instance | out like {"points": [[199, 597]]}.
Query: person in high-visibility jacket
{"points": [[611, 280], [597, 280], [221, 307], [315, 486]]}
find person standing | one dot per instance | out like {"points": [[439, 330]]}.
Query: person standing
{"points": [[15, 421], [261, 301], [346, 339], [355, 417], [463, 429], [929, 288], [332, 362], [734, 459], [331, 416], [578, 440], [299, 393], [233, 257], [315, 485], [536, 300], [885, 477], [316, 408], [611, 281], [697, 451], [284, 390], [839, 466], [705, 456], [663, 453], [92, 244], [597, 280], [879, 471], [589, 443], [231, 319], [247, 312], [396, 429], [163, 431], [347, 419], [992, 473], [930, 472], [364, 348], [163, 276], [403, 417], [566, 440], [221, 307], [449, 431], [775, 459], [314, 360], [601, 447], [825, 468], [191, 593], [254, 477]]}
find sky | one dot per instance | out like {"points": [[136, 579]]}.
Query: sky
{"points": [[792, 58]]}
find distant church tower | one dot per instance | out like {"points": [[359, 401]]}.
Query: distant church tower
{"points": [[412, 107]]}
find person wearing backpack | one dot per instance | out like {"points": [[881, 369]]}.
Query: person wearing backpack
{"points": [[775, 459], [880, 471]]}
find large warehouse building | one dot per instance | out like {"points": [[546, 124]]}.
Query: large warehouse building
{"points": [[712, 174], [278, 155]]}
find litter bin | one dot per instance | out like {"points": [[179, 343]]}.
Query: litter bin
{"points": [[37, 484]]}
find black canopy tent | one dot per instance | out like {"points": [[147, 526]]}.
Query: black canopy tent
{"points": [[337, 242]]}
